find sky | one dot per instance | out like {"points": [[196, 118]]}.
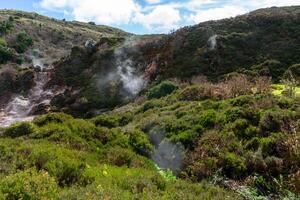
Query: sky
{"points": [[143, 16]]}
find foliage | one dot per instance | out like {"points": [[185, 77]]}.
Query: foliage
{"points": [[22, 42], [28, 184], [6, 26], [6, 54], [161, 90], [19, 129]]}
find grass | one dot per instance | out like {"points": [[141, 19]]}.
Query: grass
{"points": [[279, 88]]}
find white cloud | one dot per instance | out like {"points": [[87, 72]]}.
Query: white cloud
{"points": [[153, 1], [160, 15], [268, 3], [217, 13], [164, 17], [101, 11]]}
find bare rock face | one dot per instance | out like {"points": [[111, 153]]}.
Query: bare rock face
{"points": [[40, 109], [25, 81], [13, 81], [90, 46]]}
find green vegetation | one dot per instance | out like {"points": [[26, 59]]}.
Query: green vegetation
{"points": [[161, 90], [6, 54], [22, 42], [6, 26], [226, 127], [59, 157]]}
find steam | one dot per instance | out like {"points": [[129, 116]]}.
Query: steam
{"points": [[167, 155], [124, 73], [37, 62], [212, 42], [132, 82], [20, 107]]}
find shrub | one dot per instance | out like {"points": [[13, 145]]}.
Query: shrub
{"points": [[66, 170], [52, 118], [125, 157], [238, 84], [263, 85], [202, 92], [3, 42], [290, 83], [6, 26], [163, 89], [275, 165], [188, 138], [295, 70], [276, 121], [207, 119], [6, 54], [22, 42], [256, 163], [140, 142], [112, 120], [92, 23], [29, 184], [234, 166], [20, 129]]}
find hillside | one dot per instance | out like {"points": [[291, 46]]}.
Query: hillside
{"points": [[210, 111]]}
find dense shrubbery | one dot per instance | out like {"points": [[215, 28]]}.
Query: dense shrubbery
{"points": [[6, 54], [22, 42], [28, 184], [6, 26], [161, 90]]}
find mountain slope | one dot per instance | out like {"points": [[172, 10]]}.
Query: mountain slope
{"points": [[219, 128], [263, 42]]}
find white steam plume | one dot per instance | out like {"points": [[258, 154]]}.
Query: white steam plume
{"points": [[212, 42], [167, 155]]}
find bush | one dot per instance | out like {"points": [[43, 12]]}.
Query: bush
{"points": [[67, 171], [29, 184], [189, 137], [6, 54], [140, 142], [22, 42], [276, 121], [52, 118], [3, 42], [295, 70], [111, 120], [6, 26], [20, 129], [163, 89], [238, 84], [234, 166], [202, 92], [207, 119], [125, 157]]}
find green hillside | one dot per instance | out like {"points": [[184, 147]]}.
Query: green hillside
{"points": [[210, 111]]}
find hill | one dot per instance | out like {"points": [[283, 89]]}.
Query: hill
{"points": [[195, 114]]}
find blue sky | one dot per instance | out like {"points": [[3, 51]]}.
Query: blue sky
{"points": [[143, 16]]}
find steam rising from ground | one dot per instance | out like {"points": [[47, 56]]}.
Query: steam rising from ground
{"points": [[19, 108], [212, 42], [167, 155], [124, 72]]}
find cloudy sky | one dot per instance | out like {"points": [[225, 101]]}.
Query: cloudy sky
{"points": [[143, 16]]}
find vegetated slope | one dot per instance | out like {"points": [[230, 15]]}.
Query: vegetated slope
{"points": [[263, 42], [245, 141], [58, 157], [231, 139], [53, 38], [29, 39]]}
